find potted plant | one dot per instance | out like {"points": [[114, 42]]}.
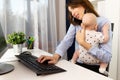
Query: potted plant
{"points": [[16, 39]]}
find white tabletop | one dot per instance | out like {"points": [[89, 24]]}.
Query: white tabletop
{"points": [[74, 72]]}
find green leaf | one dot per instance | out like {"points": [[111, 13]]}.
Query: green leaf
{"points": [[16, 38]]}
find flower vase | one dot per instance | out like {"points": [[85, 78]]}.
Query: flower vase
{"points": [[18, 48]]}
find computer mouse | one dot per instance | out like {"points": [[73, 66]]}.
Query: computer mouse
{"points": [[26, 52]]}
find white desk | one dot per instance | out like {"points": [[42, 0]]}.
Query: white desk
{"points": [[74, 72]]}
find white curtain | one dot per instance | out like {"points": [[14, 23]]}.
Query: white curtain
{"points": [[33, 17]]}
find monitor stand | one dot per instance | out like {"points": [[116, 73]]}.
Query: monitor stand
{"points": [[5, 68]]}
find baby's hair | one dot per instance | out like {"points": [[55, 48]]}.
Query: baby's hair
{"points": [[89, 19]]}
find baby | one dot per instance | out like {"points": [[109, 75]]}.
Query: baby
{"points": [[89, 21]]}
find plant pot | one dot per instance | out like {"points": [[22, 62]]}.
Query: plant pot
{"points": [[30, 45], [18, 48]]}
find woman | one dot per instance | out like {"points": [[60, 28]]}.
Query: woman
{"points": [[77, 8]]}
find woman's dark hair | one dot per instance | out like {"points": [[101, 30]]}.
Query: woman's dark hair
{"points": [[76, 3]]}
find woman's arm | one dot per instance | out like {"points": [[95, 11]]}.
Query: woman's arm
{"points": [[67, 41], [62, 47], [105, 31]]}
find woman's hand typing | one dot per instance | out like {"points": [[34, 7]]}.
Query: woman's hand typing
{"points": [[51, 59]]}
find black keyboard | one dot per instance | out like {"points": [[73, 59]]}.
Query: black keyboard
{"points": [[39, 68]]}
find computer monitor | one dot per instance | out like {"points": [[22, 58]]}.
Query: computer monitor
{"points": [[4, 68]]}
